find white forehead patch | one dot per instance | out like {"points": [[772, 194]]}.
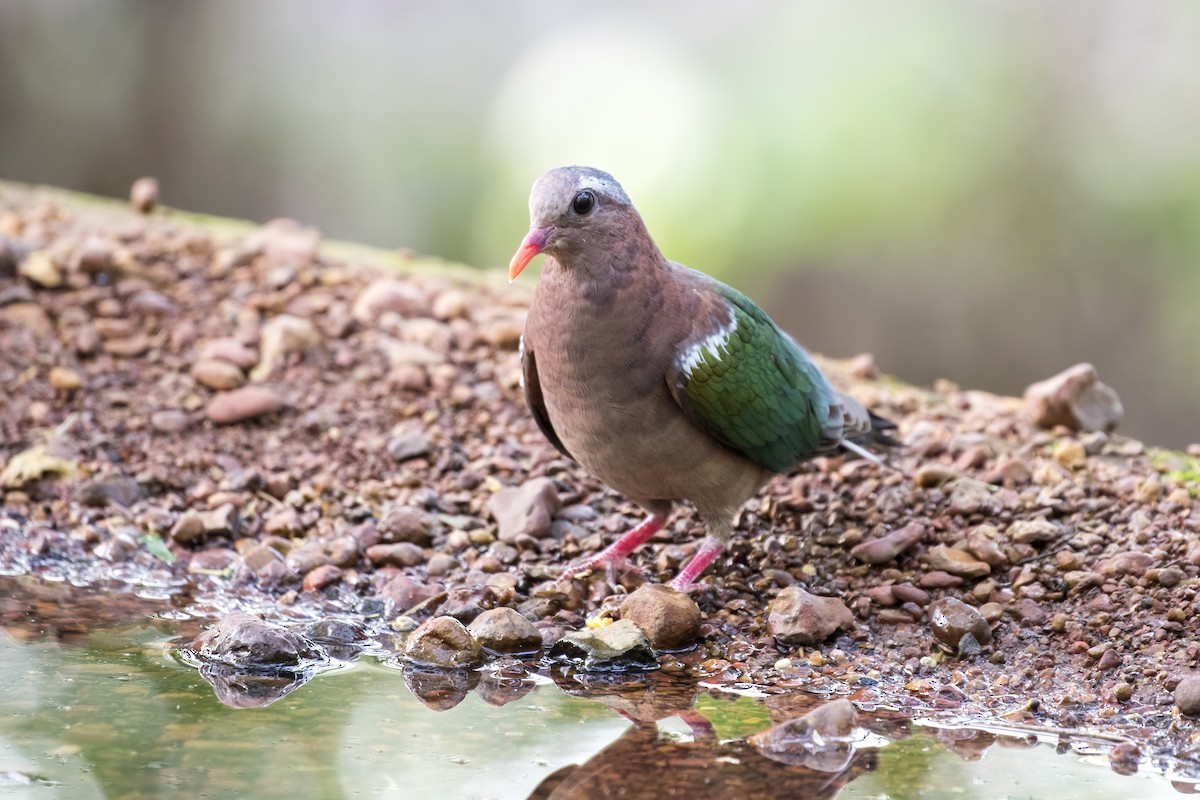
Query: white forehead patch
{"points": [[553, 191], [604, 185]]}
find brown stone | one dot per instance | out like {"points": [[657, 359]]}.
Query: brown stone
{"points": [[1187, 696], [443, 642], [143, 195], [889, 546], [955, 561], [952, 620], [248, 642], [216, 374], [670, 619], [322, 576], [398, 554], [524, 510], [1075, 398], [243, 404], [799, 618], [504, 630]]}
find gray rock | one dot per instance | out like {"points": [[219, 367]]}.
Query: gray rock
{"points": [[410, 443], [971, 497], [619, 647], [1075, 398], [524, 510], [463, 603], [799, 618], [504, 630], [118, 490], [958, 627], [248, 642], [439, 564], [670, 619], [443, 642], [404, 524], [1187, 696]]}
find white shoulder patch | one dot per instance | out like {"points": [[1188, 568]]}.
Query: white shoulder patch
{"points": [[717, 342]]}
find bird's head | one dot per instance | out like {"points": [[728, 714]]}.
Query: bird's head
{"points": [[568, 207]]}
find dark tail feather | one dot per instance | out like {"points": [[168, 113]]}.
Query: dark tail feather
{"points": [[876, 437], [880, 432]]}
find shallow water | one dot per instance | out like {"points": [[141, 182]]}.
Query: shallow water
{"points": [[107, 709]]}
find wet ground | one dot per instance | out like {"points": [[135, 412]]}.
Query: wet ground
{"points": [[211, 418], [96, 703]]}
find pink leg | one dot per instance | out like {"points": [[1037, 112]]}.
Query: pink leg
{"points": [[618, 550], [704, 556]]}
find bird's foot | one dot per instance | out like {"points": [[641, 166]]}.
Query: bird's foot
{"points": [[685, 580], [615, 553], [585, 566]]}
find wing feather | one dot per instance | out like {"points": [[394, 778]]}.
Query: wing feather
{"points": [[534, 399], [750, 386]]}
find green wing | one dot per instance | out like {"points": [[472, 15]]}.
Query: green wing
{"points": [[750, 385]]}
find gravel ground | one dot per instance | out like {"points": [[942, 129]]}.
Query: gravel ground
{"points": [[278, 424]]}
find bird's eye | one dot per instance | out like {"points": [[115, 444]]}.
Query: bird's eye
{"points": [[584, 202]]}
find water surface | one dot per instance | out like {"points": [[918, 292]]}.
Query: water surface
{"points": [[106, 708]]}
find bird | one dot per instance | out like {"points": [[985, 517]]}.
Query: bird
{"points": [[665, 383]]}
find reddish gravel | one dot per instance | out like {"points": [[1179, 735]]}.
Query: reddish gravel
{"points": [[304, 425]]}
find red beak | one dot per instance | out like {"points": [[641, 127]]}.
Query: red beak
{"points": [[533, 243]]}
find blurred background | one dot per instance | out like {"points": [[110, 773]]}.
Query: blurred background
{"points": [[981, 190]]}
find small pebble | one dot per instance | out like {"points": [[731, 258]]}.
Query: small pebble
{"points": [[243, 404], [64, 379], [143, 195]]}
